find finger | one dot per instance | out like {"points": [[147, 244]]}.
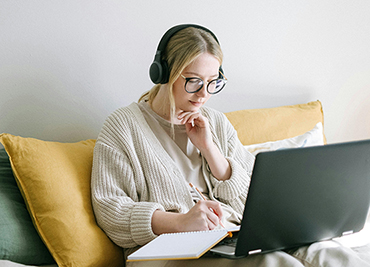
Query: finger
{"points": [[189, 118], [196, 120], [189, 127], [215, 206], [213, 219], [200, 121], [185, 114], [211, 226]]}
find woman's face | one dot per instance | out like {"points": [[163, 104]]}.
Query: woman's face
{"points": [[205, 67]]}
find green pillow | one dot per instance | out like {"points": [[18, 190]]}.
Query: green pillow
{"points": [[19, 240]]}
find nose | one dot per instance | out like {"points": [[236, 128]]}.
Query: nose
{"points": [[203, 91]]}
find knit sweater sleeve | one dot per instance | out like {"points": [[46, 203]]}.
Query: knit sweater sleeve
{"points": [[115, 190]]}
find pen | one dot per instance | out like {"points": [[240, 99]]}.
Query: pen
{"points": [[201, 196]]}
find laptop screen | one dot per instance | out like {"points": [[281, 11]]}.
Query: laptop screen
{"points": [[303, 195]]}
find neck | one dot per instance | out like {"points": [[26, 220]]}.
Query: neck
{"points": [[161, 104]]}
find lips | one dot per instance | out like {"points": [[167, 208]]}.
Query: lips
{"points": [[196, 103]]}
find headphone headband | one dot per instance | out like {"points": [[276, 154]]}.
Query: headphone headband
{"points": [[159, 71], [167, 36]]}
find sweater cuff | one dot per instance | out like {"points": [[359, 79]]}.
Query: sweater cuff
{"points": [[141, 222], [236, 185]]}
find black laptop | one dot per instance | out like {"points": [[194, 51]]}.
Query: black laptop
{"points": [[303, 195]]}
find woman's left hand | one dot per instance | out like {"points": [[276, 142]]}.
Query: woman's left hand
{"points": [[199, 133], [197, 128]]}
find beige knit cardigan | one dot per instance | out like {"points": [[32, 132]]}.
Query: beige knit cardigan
{"points": [[132, 175]]}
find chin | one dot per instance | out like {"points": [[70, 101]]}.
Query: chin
{"points": [[194, 109]]}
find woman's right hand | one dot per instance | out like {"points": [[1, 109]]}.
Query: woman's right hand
{"points": [[199, 218]]}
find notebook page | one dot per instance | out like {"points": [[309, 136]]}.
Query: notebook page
{"points": [[186, 245]]}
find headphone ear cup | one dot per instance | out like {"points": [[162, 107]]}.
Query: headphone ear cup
{"points": [[158, 71], [165, 73], [155, 72]]}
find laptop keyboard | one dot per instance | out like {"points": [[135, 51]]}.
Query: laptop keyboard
{"points": [[231, 242]]}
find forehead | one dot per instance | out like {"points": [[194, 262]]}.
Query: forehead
{"points": [[205, 64]]}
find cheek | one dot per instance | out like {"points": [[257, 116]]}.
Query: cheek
{"points": [[179, 92]]}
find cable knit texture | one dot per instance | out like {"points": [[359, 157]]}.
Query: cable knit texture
{"points": [[133, 175]]}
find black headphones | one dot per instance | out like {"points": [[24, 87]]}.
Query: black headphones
{"points": [[159, 72]]}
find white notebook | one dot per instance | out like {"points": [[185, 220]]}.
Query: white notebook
{"points": [[176, 246]]}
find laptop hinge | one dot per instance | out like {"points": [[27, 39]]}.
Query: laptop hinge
{"points": [[256, 251], [347, 233]]}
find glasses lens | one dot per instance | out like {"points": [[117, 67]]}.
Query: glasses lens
{"points": [[216, 86], [193, 84]]}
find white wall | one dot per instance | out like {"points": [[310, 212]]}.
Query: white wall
{"points": [[65, 65]]}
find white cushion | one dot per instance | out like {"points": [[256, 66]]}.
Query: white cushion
{"points": [[313, 137]]}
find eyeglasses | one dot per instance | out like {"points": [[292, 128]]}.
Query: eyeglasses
{"points": [[194, 84]]}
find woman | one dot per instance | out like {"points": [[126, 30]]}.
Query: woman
{"points": [[147, 154]]}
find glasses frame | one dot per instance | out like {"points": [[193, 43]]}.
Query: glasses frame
{"points": [[200, 88]]}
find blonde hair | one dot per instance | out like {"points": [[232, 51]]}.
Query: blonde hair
{"points": [[182, 49]]}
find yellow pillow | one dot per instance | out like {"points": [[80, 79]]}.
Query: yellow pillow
{"points": [[54, 179], [256, 126]]}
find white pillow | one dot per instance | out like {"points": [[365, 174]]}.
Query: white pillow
{"points": [[314, 137]]}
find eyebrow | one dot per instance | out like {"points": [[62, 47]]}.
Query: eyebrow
{"points": [[196, 74]]}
